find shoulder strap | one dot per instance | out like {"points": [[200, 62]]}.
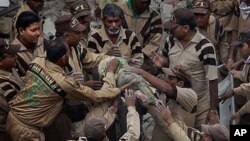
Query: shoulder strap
{"points": [[47, 79]]}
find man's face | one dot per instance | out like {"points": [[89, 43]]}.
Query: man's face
{"points": [[202, 19], [8, 61], [112, 25], [31, 33], [141, 5], [85, 20], [74, 38], [244, 50], [179, 32], [36, 5]]}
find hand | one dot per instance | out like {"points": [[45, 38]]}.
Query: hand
{"points": [[113, 65], [225, 96], [129, 97], [96, 85], [236, 116], [114, 51], [212, 117], [164, 112], [233, 72], [157, 59], [229, 64]]}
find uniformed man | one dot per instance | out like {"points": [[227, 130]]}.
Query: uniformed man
{"points": [[35, 6], [188, 48], [10, 83], [243, 46], [37, 105], [28, 34], [82, 11], [113, 39], [211, 28], [147, 25]]}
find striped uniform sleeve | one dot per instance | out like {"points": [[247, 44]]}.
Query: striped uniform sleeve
{"points": [[133, 42], [95, 42], [207, 55], [152, 33], [8, 89]]}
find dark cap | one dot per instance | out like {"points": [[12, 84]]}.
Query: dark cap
{"points": [[200, 6], [80, 8], [181, 16], [243, 38], [177, 73], [5, 47], [95, 128], [68, 23]]}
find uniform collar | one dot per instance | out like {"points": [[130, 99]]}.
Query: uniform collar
{"points": [[197, 37], [23, 48], [105, 37]]}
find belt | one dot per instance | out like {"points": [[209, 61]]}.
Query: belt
{"points": [[12, 115]]}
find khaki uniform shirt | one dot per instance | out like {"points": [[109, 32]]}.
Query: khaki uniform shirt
{"points": [[127, 42], [148, 28], [183, 108], [199, 58], [9, 87], [216, 34], [46, 87], [25, 56]]}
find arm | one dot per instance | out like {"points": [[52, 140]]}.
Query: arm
{"points": [[226, 52], [213, 90], [168, 125], [77, 91], [243, 89], [212, 115], [159, 83], [133, 120]]}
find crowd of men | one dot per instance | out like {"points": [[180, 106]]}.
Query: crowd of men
{"points": [[110, 64]]}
